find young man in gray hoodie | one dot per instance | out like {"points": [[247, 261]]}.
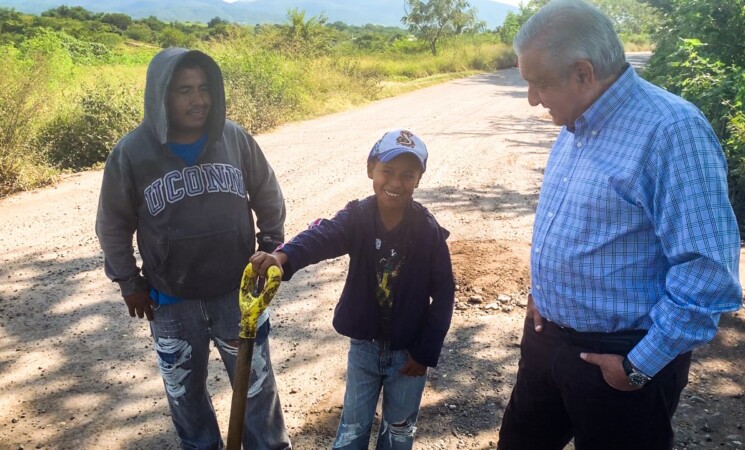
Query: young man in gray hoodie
{"points": [[188, 182]]}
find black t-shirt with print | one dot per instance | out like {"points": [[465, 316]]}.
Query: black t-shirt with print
{"points": [[390, 255]]}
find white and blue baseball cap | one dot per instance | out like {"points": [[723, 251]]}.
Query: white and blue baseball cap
{"points": [[398, 142]]}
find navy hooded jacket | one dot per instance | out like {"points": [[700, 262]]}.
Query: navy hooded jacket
{"points": [[424, 295]]}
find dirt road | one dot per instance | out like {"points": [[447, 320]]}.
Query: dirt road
{"points": [[76, 372]]}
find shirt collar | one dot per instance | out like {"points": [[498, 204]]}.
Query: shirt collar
{"points": [[598, 114]]}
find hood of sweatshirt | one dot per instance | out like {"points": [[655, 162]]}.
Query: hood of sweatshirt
{"points": [[159, 75]]}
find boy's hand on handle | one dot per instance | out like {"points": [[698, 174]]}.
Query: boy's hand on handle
{"points": [[532, 313], [413, 368], [261, 261], [140, 303]]}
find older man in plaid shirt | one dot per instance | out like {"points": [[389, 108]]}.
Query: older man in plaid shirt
{"points": [[635, 245]]}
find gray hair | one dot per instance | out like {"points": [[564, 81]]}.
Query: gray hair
{"points": [[570, 30]]}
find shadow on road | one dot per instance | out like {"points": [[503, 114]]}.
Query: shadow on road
{"points": [[493, 199]]}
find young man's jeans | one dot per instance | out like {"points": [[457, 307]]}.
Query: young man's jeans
{"points": [[371, 366], [182, 333]]}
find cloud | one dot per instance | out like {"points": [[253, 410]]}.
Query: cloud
{"points": [[506, 2]]}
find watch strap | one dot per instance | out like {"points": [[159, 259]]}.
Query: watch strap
{"points": [[627, 367], [636, 377]]}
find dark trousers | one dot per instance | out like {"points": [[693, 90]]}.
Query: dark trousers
{"points": [[557, 396]]}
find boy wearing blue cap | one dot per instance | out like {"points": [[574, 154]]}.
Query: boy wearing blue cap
{"points": [[399, 260]]}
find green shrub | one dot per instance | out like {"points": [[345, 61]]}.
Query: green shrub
{"points": [[261, 89], [365, 80], [108, 40], [23, 172], [23, 96], [140, 32], [636, 42], [48, 45], [735, 148], [63, 50], [173, 37], [134, 54], [301, 37], [409, 45], [85, 135]]}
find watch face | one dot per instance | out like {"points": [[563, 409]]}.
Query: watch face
{"points": [[638, 379]]}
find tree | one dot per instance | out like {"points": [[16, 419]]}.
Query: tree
{"points": [[514, 21], [11, 24], [215, 21], [713, 22], [309, 37], [119, 20], [153, 23], [67, 12], [629, 16], [467, 21], [140, 32], [173, 37], [433, 19]]}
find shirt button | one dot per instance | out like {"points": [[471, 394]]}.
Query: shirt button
{"points": [[550, 214], [537, 287], [594, 132], [565, 179], [538, 250], [579, 144]]}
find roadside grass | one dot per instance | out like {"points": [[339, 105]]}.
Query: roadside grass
{"points": [[638, 47], [393, 88], [335, 84]]}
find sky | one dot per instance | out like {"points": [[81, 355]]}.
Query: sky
{"points": [[508, 2]]}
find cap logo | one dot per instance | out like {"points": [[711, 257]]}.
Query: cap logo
{"points": [[405, 139]]}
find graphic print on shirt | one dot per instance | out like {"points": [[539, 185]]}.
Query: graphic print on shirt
{"points": [[193, 181], [387, 271]]}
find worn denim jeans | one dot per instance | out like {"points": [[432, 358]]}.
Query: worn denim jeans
{"points": [[182, 333], [372, 366]]}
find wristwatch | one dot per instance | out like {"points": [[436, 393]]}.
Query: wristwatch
{"points": [[636, 378]]}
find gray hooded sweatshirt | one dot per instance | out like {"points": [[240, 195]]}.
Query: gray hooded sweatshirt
{"points": [[194, 224]]}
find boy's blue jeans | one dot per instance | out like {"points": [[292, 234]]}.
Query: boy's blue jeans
{"points": [[372, 366], [182, 333]]}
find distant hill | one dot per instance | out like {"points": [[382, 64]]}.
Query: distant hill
{"points": [[352, 12]]}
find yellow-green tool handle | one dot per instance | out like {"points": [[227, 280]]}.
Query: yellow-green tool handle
{"points": [[252, 305]]}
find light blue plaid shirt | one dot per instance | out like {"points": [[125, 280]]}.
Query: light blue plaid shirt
{"points": [[634, 229]]}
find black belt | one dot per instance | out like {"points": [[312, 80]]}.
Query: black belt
{"points": [[619, 342]]}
